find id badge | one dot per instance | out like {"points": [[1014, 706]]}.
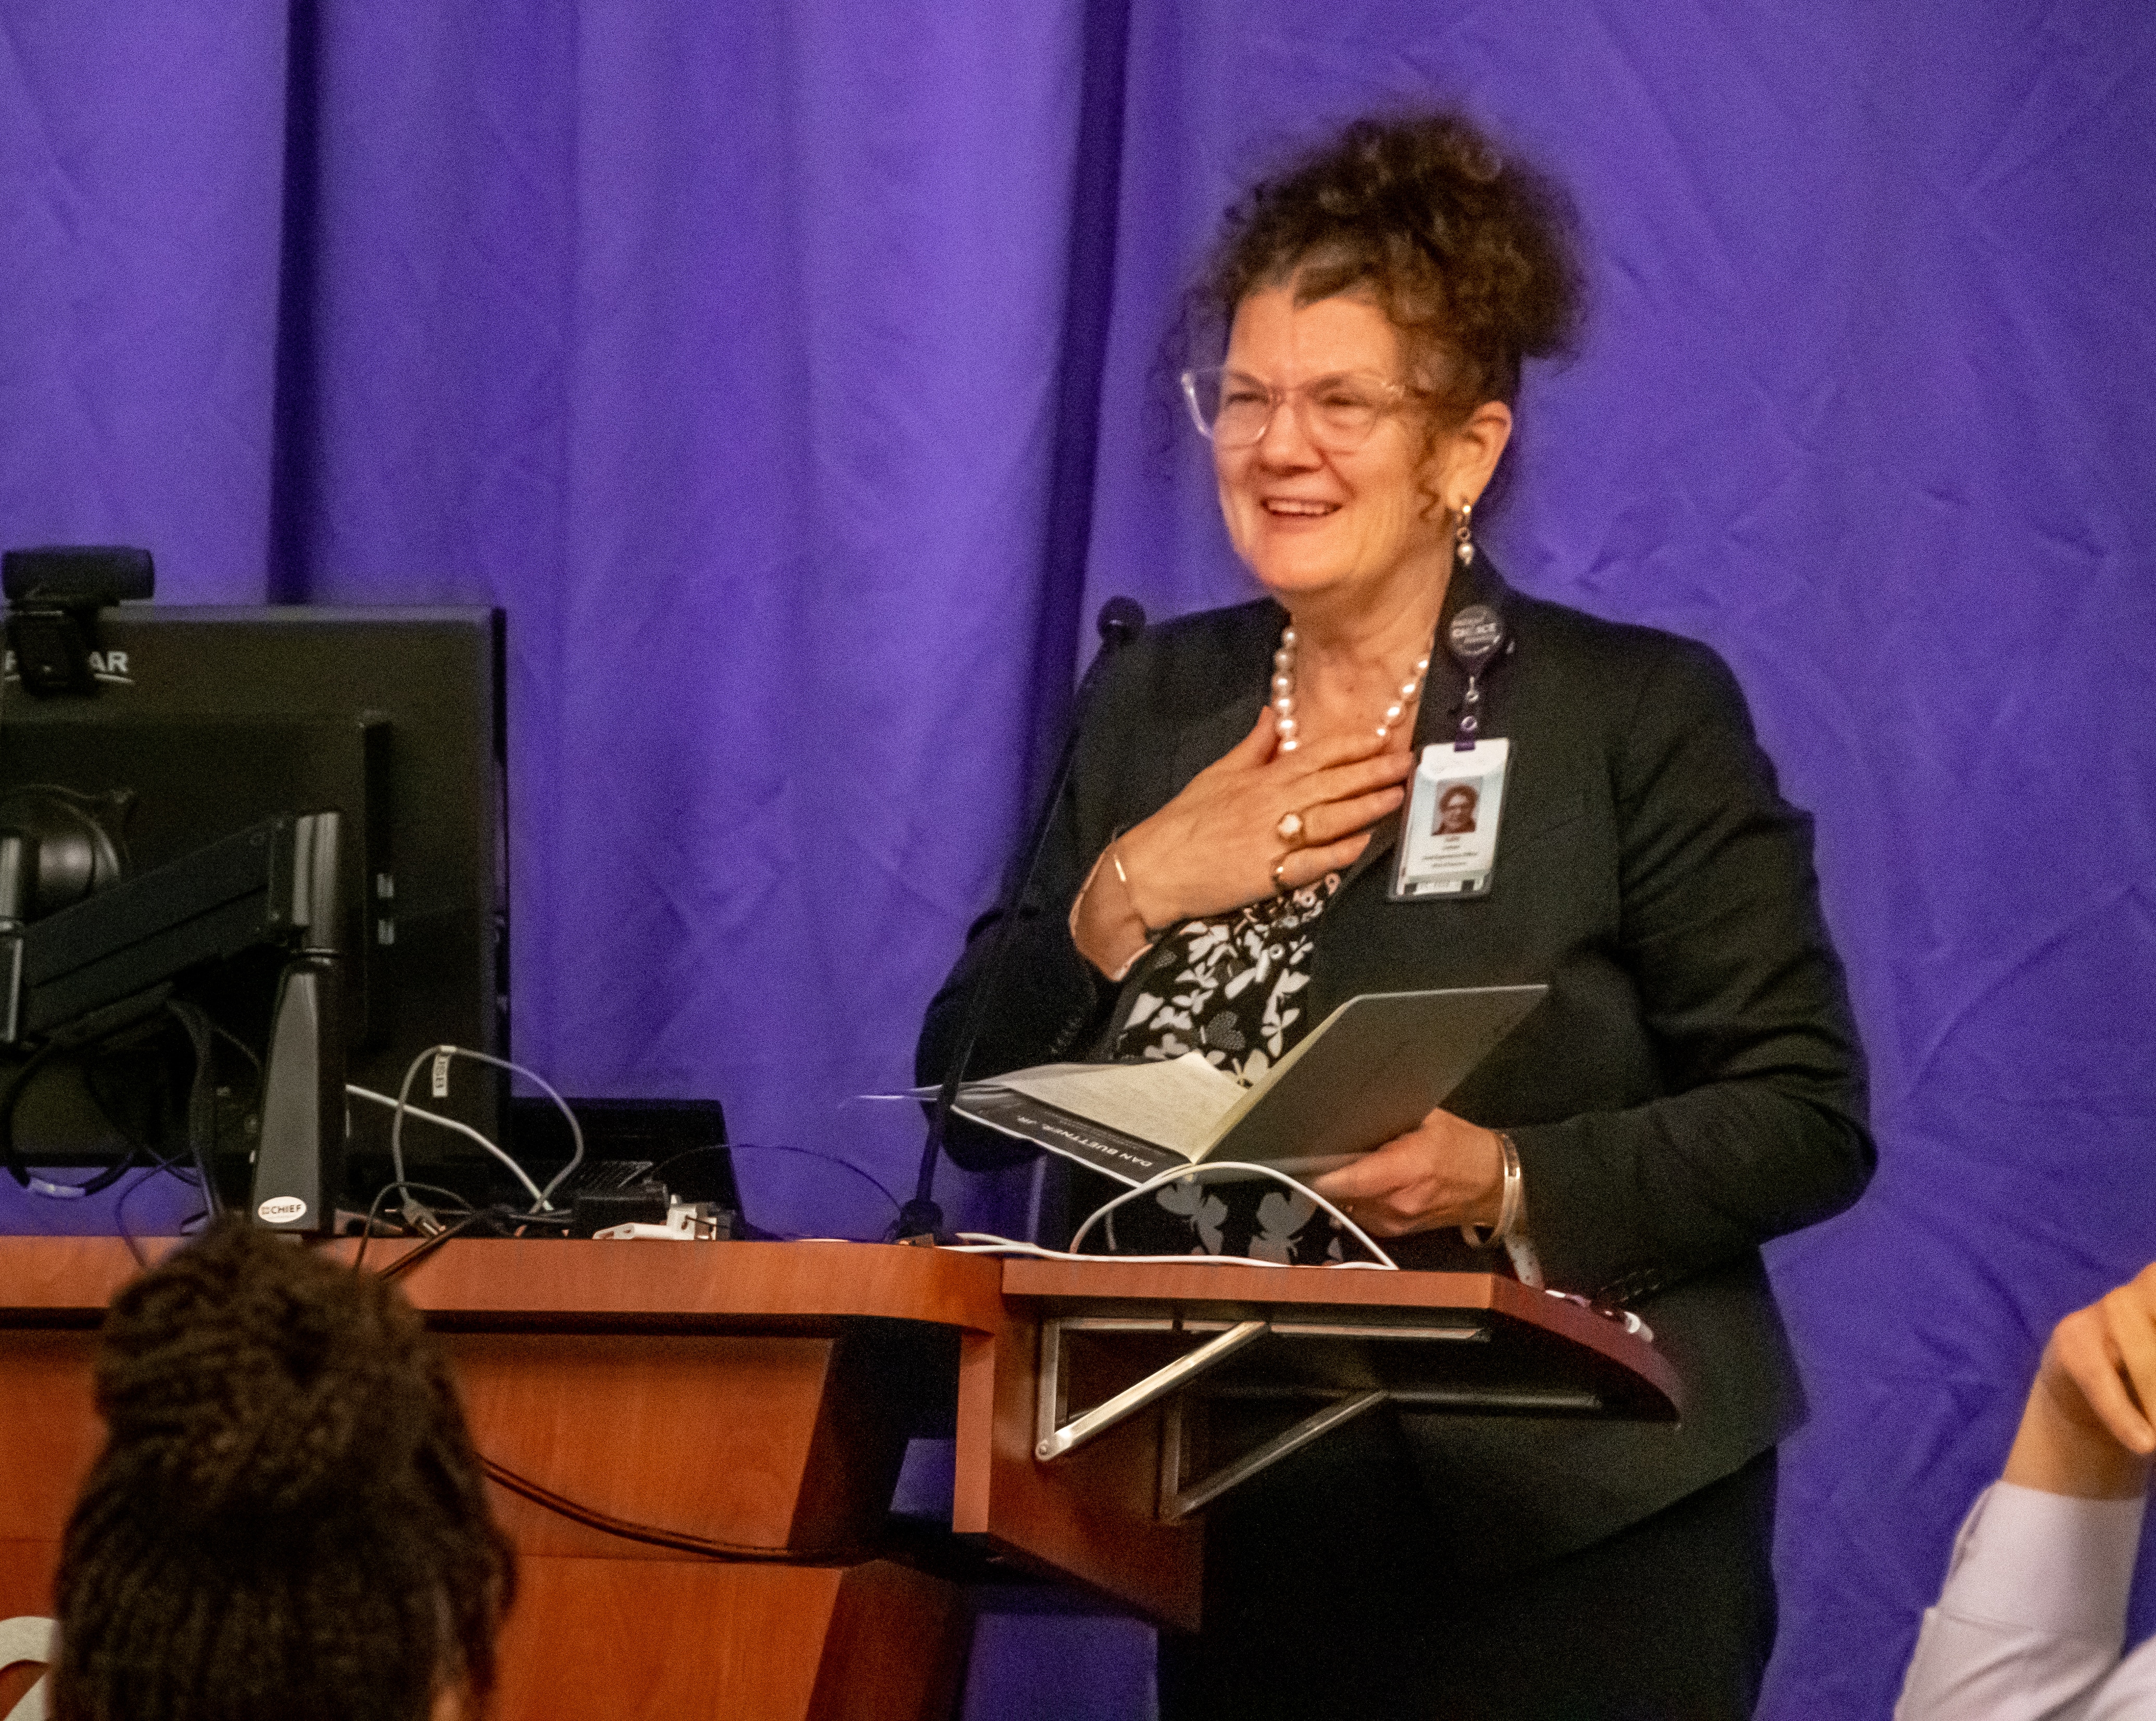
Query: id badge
{"points": [[1450, 845]]}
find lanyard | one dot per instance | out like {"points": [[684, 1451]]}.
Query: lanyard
{"points": [[1476, 635]]}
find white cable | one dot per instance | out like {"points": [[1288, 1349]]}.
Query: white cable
{"points": [[404, 1105], [464, 1129], [1179, 1173], [984, 1242]]}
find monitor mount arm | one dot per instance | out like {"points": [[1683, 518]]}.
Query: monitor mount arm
{"points": [[275, 884]]}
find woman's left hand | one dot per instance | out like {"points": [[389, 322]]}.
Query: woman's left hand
{"points": [[1444, 1171]]}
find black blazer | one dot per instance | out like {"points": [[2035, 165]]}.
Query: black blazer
{"points": [[1691, 1086]]}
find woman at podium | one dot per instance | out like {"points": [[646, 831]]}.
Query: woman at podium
{"points": [[1231, 860]]}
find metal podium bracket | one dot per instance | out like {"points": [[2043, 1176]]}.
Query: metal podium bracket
{"points": [[1178, 1383], [1053, 1437], [1178, 1502]]}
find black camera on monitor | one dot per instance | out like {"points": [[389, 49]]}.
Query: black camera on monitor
{"points": [[54, 594]]}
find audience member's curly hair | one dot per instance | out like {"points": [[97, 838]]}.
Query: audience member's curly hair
{"points": [[288, 1517], [1469, 254]]}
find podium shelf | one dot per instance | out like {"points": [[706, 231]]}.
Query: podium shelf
{"points": [[1210, 1343]]}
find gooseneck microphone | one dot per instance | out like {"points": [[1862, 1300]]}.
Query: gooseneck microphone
{"points": [[1121, 621]]}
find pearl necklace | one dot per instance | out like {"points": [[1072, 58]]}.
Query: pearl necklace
{"points": [[1284, 718]]}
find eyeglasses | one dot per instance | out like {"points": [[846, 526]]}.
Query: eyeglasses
{"points": [[1337, 413]]}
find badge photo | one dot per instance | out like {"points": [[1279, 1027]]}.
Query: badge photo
{"points": [[1449, 847]]}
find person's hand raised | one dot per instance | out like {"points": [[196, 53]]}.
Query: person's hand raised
{"points": [[2090, 1426], [1217, 844]]}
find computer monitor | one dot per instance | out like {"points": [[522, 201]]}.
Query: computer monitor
{"points": [[208, 720]]}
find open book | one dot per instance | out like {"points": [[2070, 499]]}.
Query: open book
{"points": [[1370, 1070]]}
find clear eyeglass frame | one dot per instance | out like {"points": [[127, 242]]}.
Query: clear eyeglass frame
{"points": [[1338, 414]]}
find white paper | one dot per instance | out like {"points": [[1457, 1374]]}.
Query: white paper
{"points": [[1176, 1102]]}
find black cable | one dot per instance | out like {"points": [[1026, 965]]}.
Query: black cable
{"points": [[201, 1098], [405, 1263], [244, 1050], [140, 1149], [88, 1031], [678, 1540], [374, 1211], [96, 1044], [809, 1152], [51, 1191], [169, 1165], [18, 1081], [96, 1073], [11, 1091], [689, 1153]]}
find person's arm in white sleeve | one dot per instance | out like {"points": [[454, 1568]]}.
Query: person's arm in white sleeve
{"points": [[2033, 1616]]}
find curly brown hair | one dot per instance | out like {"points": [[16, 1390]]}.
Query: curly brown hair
{"points": [[1469, 253], [288, 1517]]}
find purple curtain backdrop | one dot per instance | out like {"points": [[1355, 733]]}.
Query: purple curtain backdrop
{"points": [[791, 377]]}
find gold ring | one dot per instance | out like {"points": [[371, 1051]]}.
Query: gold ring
{"points": [[1290, 829], [1280, 885]]}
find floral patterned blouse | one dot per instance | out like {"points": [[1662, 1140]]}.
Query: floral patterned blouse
{"points": [[1230, 988]]}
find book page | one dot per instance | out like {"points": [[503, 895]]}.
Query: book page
{"points": [[1373, 1069], [1248, 1100], [1176, 1102]]}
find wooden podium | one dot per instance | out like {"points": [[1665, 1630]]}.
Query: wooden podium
{"points": [[694, 1444]]}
